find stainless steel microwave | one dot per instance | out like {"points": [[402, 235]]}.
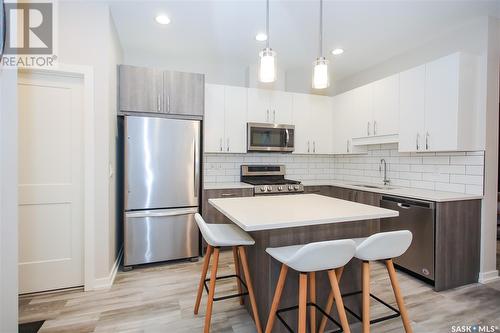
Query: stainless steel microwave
{"points": [[270, 137]]}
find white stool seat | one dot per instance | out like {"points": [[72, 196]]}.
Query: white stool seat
{"points": [[217, 235], [316, 256], [383, 245]]}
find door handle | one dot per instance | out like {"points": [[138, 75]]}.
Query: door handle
{"points": [[427, 141], [196, 167], [228, 195], [314, 146], [308, 147], [267, 115], [168, 104], [287, 137], [374, 127], [418, 141], [220, 144], [158, 103], [348, 145], [227, 148], [368, 129], [163, 213], [274, 116]]}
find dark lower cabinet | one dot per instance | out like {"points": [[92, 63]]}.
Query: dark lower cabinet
{"points": [[212, 215]]}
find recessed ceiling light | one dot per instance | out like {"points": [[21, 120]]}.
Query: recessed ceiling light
{"points": [[261, 37], [162, 19], [337, 51]]}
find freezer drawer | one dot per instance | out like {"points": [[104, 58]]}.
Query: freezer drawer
{"points": [[418, 217], [159, 235]]}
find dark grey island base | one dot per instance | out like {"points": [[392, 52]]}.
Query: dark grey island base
{"points": [[265, 270]]}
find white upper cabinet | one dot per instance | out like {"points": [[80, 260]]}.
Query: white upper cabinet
{"points": [[385, 106], [443, 116], [225, 119], [348, 122], [268, 106], [412, 109], [313, 119], [358, 106]]}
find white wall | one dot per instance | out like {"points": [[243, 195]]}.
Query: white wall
{"points": [[8, 200], [87, 37], [479, 37]]}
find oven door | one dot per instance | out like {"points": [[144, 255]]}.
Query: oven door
{"points": [[270, 137]]}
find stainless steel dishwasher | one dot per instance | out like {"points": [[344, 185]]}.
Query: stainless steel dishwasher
{"points": [[418, 217]]}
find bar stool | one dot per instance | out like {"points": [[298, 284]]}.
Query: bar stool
{"points": [[216, 236], [330, 256], [381, 246]]}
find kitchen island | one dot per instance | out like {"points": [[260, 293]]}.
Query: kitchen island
{"points": [[283, 220]]}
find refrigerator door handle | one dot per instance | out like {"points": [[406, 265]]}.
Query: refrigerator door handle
{"points": [[162, 213], [196, 167]]}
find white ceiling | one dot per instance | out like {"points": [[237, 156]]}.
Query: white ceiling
{"points": [[224, 31]]}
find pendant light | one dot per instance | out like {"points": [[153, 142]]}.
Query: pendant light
{"points": [[320, 70], [267, 69]]}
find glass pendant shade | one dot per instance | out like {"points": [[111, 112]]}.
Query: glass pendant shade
{"points": [[267, 70], [321, 79]]}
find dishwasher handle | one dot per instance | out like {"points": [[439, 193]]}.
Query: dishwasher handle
{"points": [[406, 203], [403, 205]]}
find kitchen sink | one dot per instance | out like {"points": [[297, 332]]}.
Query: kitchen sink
{"points": [[381, 187]]}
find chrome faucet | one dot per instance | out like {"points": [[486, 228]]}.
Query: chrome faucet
{"points": [[383, 162]]}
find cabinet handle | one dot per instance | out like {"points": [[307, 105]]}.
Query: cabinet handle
{"points": [[418, 141], [274, 116], [228, 195], [220, 144], [227, 148], [347, 144], [158, 103], [368, 129], [308, 147], [267, 115], [427, 141], [168, 104], [314, 146], [374, 127]]}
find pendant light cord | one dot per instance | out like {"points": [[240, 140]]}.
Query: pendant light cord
{"points": [[320, 28], [267, 23]]}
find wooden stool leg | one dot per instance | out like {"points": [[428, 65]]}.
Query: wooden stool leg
{"points": [[312, 299], [338, 299], [366, 296], [399, 298], [329, 303], [211, 290], [302, 302], [276, 298], [246, 271], [204, 270], [237, 270]]}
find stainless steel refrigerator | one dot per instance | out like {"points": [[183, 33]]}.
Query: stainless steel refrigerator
{"points": [[161, 188]]}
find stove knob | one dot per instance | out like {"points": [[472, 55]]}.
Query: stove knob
{"points": [[270, 188], [290, 187], [263, 188], [280, 188], [296, 187]]}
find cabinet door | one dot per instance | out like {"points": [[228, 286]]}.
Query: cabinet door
{"points": [[441, 103], [235, 119], [302, 121], [140, 89], [258, 106], [212, 215], [339, 119], [412, 109], [322, 125], [213, 134], [385, 94], [359, 110], [280, 107], [184, 93]]}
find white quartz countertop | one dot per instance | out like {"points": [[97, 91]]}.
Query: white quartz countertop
{"points": [[287, 211], [223, 186], [415, 193]]}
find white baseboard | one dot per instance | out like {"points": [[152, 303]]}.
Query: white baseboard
{"points": [[488, 277], [107, 282]]}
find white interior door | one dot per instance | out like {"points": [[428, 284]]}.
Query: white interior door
{"points": [[50, 182]]}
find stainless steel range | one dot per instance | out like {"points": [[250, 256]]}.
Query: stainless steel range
{"points": [[269, 179]]}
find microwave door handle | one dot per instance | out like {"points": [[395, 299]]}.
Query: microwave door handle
{"points": [[287, 137]]}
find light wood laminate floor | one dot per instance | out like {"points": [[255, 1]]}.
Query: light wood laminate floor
{"points": [[160, 298]]}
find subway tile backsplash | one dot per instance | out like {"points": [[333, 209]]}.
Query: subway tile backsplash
{"points": [[460, 172]]}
